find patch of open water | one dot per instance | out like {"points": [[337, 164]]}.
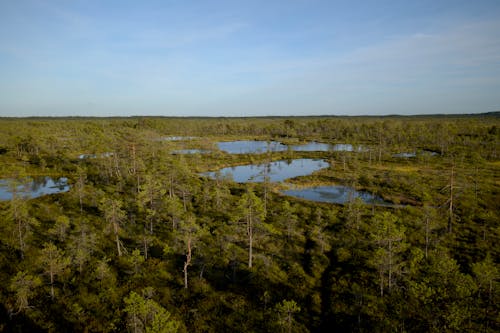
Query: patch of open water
{"points": [[276, 171], [32, 187]]}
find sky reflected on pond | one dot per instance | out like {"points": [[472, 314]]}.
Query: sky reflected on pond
{"points": [[32, 187], [334, 194], [276, 171]]}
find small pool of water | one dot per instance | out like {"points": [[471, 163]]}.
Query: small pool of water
{"points": [[249, 146], [276, 171], [87, 156], [334, 194], [33, 187], [317, 146], [415, 154], [190, 151], [176, 138], [405, 155], [313, 146]]}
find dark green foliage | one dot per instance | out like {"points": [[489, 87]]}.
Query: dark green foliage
{"points": [[143, 243]]}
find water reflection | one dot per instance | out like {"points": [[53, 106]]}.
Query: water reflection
{"points": [[414, 154], [249, 146], [317, 146], [275, 171], [87, 156], [32, 187], [190, 151], [176, 138], [334, 194], [405, 155], [312, 146]]}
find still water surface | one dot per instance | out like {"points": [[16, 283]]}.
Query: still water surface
{"points": [[32, 187], [334, 194], [250, 146], [276, 171], [190, 151]]}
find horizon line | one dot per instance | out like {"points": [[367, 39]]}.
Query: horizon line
{"points": [[490, 113]]}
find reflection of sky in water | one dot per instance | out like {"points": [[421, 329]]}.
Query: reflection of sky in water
{"points": [[414, 154], [312, 146], [317, 146], [334, 194], [246, 147], [190, 151], [33, 187], [404, 155], [276, 171], [86, 156], [176, 138]]}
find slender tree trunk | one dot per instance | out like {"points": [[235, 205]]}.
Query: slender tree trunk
{"points": [[450, 208], [426, 237], [19, 225], [380, 147], [80, 184], [265, 194], [51, 276], [187, 263], [21, 242], [135, 323], [151, 206], [145, 246], [83, 236], [250, 251], [116, 166], [171, 187], [51, 285], [138, 183], [202, 271], [134, 162], [390, 266], [381, 275], [117, 239], [184, 200], [490, 290], [250, 241], [289, 321]]}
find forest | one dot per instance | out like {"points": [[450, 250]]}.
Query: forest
{"points": [[138, 238]]}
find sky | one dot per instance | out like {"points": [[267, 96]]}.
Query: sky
{"points": [[248, 58]]}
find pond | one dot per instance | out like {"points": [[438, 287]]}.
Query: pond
{"points": [[334, 194], [317, 146], [312, 146], [87, 156], [250, 146], [33, 187], [414, 154], [176, 138], [405, 155], [190, 151], [276, 171]]}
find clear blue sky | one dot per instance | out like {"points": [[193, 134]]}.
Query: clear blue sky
{"points": [[247, 58]]}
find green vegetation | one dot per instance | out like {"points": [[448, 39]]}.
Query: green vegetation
{"points": [[143, 243]]}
